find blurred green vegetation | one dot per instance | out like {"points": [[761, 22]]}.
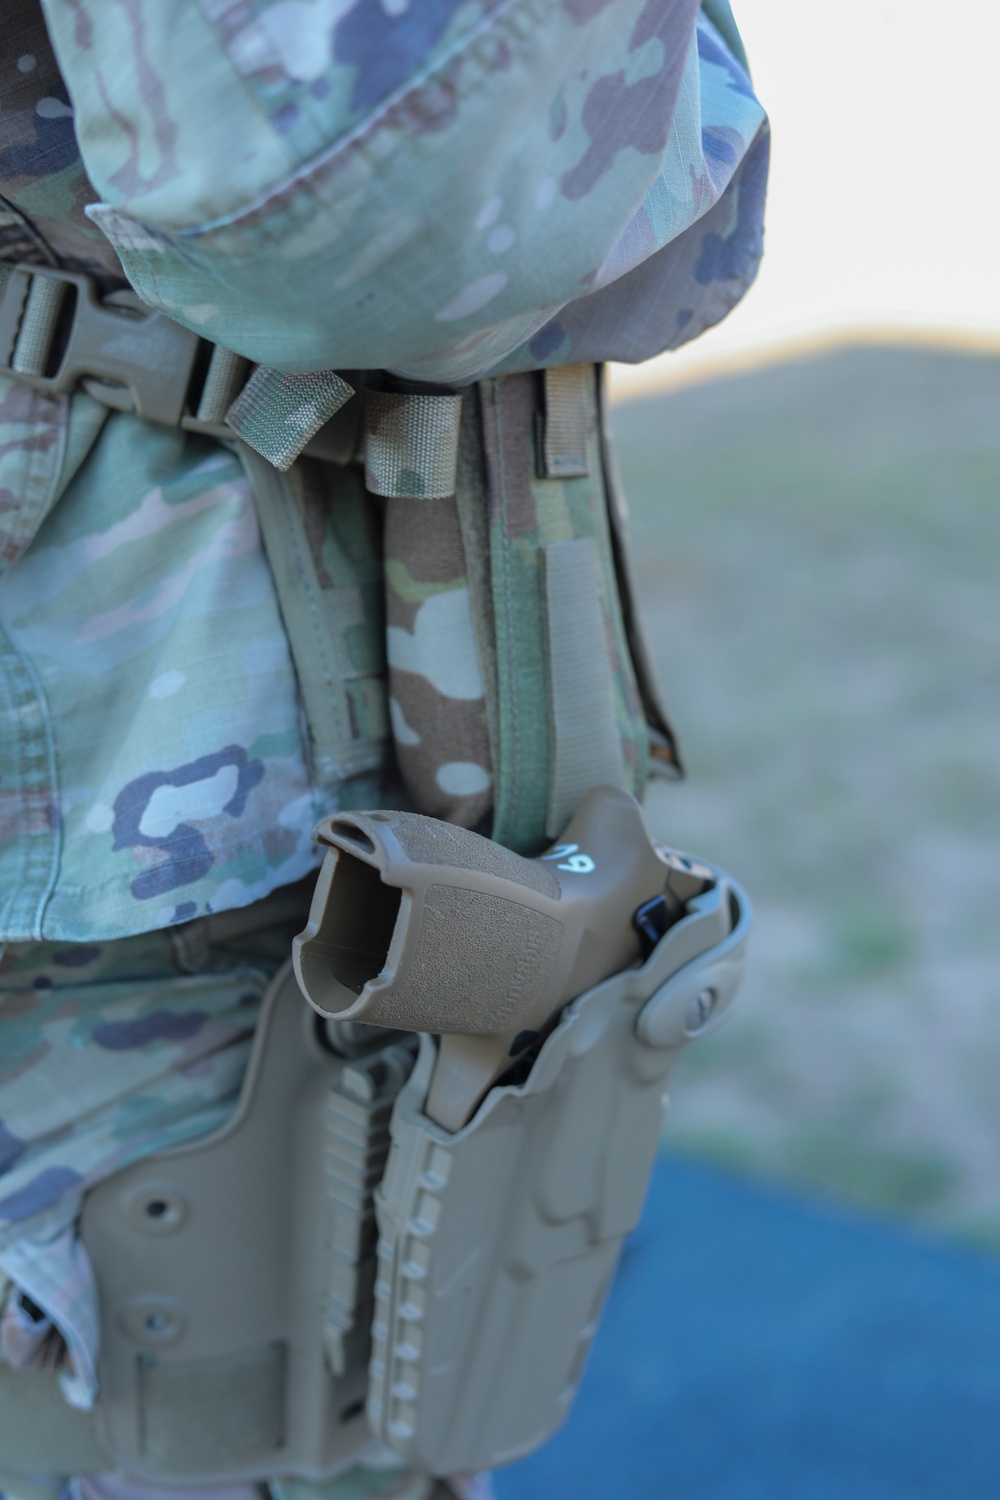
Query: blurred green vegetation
{"points": [[818, 548]]}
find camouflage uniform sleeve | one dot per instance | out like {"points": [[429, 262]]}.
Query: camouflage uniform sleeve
{"points": [[443, 190]]}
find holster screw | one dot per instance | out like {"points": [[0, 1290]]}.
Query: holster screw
{"points": [[699, 1010]]}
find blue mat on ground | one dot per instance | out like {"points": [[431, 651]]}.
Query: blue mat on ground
{"points": [[756, 1347]]}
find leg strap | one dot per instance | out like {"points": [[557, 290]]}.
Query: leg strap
{"points": [[41, 1435]]}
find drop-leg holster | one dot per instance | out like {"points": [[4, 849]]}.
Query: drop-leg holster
{"points": [[335, 1264]]}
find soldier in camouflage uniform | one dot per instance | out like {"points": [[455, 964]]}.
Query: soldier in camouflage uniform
{"points": [[457, 194]]}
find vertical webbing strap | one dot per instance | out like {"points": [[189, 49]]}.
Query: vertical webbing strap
{"points": [[331, 627], [226, 377], [665, 757], [38, 325], [586, 745], [411, 443], [436, 684], [567, 422], [436, 681], [534, 620]]}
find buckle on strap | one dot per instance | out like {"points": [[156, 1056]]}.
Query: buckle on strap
{"points": [[124, 353], [57, 333]]}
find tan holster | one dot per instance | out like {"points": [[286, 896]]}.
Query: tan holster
{"points": [[278, 1293]]}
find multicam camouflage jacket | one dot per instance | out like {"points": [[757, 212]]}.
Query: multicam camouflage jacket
{"points": [[447, 190], [451, 190]]}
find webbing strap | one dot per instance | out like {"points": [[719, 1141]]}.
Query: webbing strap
{"points": [[568, 422], [411, 444], [318, 624], [40, 1433], [586, 746], [38, 324], [134, 359], [226, 377], [278, 414], [665, 757], [527, 515]]}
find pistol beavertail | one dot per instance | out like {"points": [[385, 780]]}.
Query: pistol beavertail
{"points": [[424, 926]]}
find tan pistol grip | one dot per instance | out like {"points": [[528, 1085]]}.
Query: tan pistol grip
{"points": [[424, 926]]}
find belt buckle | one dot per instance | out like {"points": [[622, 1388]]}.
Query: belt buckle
{"points": [[124, 353]]}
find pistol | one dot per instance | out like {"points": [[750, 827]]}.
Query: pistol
{"points": [[423, 926]]}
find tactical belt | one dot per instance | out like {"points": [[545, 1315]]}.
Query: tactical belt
{"points": [[58, 334]]}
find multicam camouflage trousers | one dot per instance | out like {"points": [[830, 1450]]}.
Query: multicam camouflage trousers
{"points": [[110, 1052]]}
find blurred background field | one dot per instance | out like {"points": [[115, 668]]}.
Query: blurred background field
{"points": [[817, 544], [817, 539]]}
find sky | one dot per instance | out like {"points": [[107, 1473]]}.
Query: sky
{"points": [[884, 204]]}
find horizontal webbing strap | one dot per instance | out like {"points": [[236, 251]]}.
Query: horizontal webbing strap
{"points": [[58, 334], [40, 1434]]}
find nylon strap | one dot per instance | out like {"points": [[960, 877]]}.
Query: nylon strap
{"points": [[567, 422], [226, 377], [14, 291], [586, 747], [318, 623], [278, 414], [411, 444], [38, 323], [134, 359], [40, 1433], [665, 758]]}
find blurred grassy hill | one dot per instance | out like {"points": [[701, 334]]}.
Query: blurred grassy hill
{"points": [[818, 548]]}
